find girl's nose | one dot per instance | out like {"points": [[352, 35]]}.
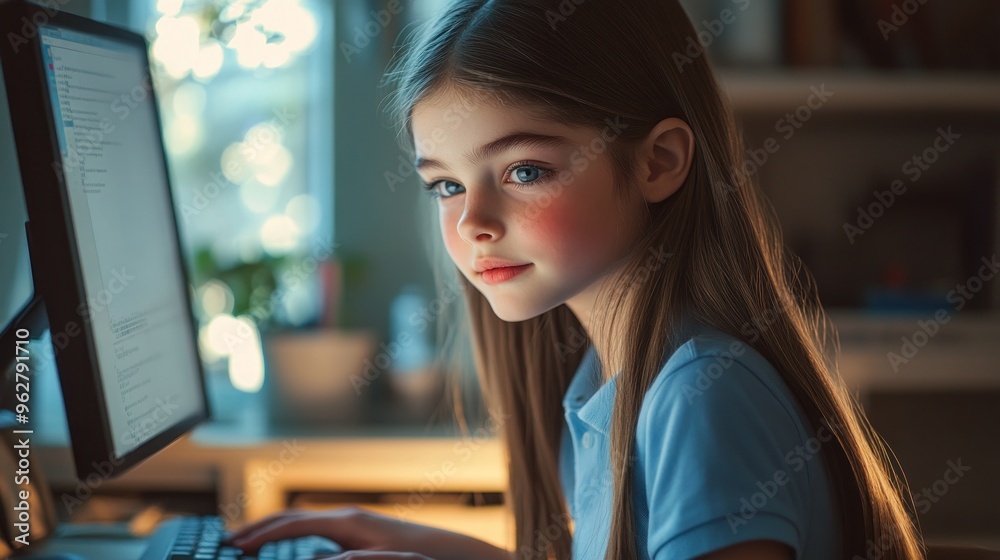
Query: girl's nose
{"points": [[481, 220]]}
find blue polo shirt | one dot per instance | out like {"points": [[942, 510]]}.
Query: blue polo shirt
{"points": [[724, 454]]}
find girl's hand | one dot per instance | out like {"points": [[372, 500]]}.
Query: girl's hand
{"points": [[365, 534]]}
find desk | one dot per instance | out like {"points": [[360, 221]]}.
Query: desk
{"points": [[106, 547], [254, 468], [242, 459]]}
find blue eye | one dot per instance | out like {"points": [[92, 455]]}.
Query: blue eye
{"points": [[432, 189], [530, 177], [526, 174], [529, 174]]}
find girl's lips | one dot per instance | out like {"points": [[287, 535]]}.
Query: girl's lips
{"points": [[483, 264], [503, 274]]}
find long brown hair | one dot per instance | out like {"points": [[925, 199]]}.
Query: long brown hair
{"points": [[584, 63]]}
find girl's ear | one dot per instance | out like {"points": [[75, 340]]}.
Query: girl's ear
{"points": [[665, 159]]}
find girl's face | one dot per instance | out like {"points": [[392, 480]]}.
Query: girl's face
{"points": [[530, 192]]}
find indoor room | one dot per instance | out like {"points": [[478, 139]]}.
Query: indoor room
{"points": [[274, 284]]}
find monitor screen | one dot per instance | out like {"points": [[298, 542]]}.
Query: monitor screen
{"points": [[117, 185]]}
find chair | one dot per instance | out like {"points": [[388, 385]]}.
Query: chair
{"points": [[960, 552]]}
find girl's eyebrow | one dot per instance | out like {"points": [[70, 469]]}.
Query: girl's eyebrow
{"points": [[504, 143]]}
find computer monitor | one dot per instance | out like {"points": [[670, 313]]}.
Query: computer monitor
{"points": [[103, 235]]}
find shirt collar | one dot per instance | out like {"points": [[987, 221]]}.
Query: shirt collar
{"points": [[592, 399], [588, 396]]}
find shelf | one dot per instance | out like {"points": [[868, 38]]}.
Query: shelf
{"points": [[765, 91], [960, 355]]}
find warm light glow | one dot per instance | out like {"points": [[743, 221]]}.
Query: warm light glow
{"points": [[249, 44], [296, 24], [271, 33], [169, 7], [260, 155], [279, 235], [216, 298], [264, 136], [232, 11], [304, 211], [210, 59], [177, 44], [213, 337], [190, 98], [233, 164], [276, 54], [184, 134], [246, 362], [273, 168]]}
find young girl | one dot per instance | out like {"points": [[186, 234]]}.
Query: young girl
{"points": [[655, 356]]}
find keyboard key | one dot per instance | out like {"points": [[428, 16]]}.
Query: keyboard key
{"points": [[201, 538]]}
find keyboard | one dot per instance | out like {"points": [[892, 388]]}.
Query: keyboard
{"points": [[200, 538]]}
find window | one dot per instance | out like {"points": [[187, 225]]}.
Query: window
{"points": [[244, 88]]}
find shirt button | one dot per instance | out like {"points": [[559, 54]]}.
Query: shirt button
{"points": [[588, 440]]}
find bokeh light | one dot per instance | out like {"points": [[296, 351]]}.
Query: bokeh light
{"points": [[304, 211], [270, 34], [279, 235]]}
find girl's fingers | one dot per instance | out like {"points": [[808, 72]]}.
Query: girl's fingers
{"points": [[263, 522], [284, 528]]}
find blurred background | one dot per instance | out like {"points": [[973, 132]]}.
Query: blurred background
{"points": [[872, 126]]}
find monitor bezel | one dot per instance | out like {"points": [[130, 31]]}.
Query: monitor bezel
{"points": [[53, 243]]}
